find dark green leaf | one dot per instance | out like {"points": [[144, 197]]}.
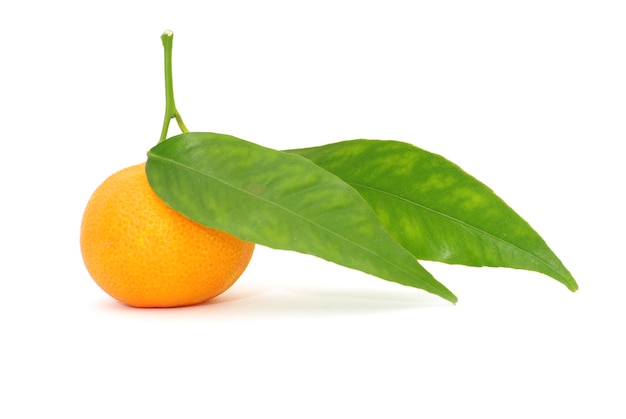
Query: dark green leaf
{"points": [[435, 209], [279, 200]]}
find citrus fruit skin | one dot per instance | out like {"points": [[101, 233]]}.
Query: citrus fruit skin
{"points": [[145, 254]]}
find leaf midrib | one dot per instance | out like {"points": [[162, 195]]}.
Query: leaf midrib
{"points": [[345, 239], [461, 222]]}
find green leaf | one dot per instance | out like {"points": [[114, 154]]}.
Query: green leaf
{"points": [[435, 209], [279, 200]]}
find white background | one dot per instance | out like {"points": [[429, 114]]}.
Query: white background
{"points": [[527, 96]]}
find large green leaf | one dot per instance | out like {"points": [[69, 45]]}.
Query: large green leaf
{"points": [[279, 200], [435, 209]]}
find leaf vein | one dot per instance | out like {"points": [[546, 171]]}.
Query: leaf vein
{"points": [[458, 221], [288, 210]]}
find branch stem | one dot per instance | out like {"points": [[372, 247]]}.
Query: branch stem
{"points": [[170, 106]]}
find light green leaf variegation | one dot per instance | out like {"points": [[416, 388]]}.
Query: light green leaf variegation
{"points": [[435, 209]]}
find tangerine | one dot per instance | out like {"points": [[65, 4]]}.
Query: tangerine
{"points": [[145, 254]]}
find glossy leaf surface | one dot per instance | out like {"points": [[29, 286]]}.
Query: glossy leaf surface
{"points": [[435, 209], [280, 200]]}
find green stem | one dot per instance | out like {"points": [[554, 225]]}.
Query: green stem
{"points": [[170, 105]]}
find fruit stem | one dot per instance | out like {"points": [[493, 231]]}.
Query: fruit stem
{"points": [[170, 105]]}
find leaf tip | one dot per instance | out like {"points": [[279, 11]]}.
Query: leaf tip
{"points": [[572, 286], [449, 296], [568, 280]]}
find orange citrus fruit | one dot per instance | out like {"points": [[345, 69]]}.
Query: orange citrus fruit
{"points": [[145, 254]]}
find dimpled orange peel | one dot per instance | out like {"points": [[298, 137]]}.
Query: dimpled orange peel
{"points": [[145, 254]]}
